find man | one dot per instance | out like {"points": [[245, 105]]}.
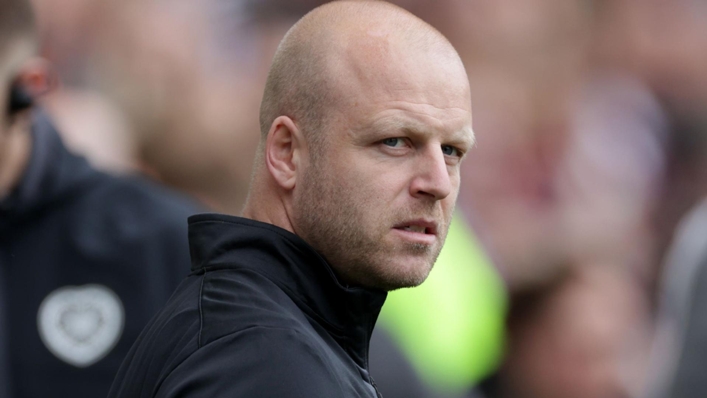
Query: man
{"points": [[86, 259], [365, 118]]}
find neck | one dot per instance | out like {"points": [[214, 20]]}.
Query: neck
{"points": [[16, 143], [266, 207]]}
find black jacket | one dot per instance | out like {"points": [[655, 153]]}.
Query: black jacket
{"points": [[261, 315], [86, 259]]}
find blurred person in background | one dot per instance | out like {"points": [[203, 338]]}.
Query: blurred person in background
{"points": [[569, 338], [184, 86], [622, 178], [665, 44], [86, 258], [567, 181], [678, 354], [677, 360]]}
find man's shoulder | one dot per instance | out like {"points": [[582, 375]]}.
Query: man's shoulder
{"points": [[243, 308], [240, 299], [253, 340], [263, 361], [189, 351]]}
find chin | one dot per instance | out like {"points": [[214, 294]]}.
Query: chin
{"points": [[399, 284], [406, 277]]}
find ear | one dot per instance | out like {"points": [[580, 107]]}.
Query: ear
{"points": [[283, 151], [31, 80], [36, 77]]}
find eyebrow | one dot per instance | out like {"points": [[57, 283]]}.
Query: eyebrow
{"points": [[468, 131]]}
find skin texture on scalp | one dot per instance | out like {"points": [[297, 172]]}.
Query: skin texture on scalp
{"points": [[365, 118]]}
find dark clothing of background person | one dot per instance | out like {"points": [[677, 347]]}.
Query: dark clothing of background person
{"points": [[261, 315], [679, 357], [77, 247]]}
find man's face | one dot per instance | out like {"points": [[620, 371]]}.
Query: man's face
{"points": [[377, 199]]}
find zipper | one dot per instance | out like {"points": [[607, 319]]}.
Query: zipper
{"points": [[375, 387], [365, 363]]}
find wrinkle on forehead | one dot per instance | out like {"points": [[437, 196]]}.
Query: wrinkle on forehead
{"points": [[380, 50]]}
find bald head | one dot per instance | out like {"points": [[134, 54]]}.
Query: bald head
{"points": [[313, 63]]}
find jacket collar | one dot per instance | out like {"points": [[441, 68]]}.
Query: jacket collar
{"points": [[348, 313], [52, 173]]}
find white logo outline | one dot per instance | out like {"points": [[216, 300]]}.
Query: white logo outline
{"points": [[81, 324]]}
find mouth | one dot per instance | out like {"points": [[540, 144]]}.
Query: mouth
{"points": [[418, 226]]}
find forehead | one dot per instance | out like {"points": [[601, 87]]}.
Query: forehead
{"points": [[386, 86], [388, 64], [375, 72], [378, 66]]}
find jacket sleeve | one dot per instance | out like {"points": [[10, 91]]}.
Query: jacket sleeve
{"points": [[256, 363]]}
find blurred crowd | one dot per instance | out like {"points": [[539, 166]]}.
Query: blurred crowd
{"points": [[591, 125]]}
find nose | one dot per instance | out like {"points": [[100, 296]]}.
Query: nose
{"points": [[432, 177]]}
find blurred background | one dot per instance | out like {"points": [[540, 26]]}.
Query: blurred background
{"points": [[591, 129]]}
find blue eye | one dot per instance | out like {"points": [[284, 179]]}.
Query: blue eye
{"points": [[449, 150], [393, 142]]}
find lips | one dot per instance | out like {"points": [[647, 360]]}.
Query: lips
{"points": [[414, 228], [418, 226]]}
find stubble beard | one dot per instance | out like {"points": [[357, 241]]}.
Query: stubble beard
{"points": [[330, 217]]}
